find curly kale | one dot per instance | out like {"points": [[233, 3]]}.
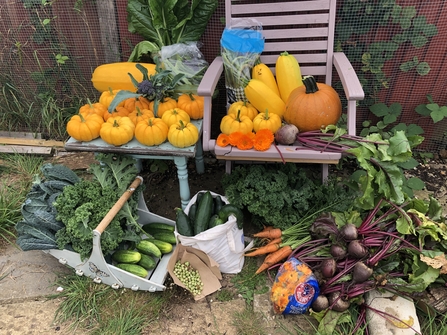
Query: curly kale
{"points": [[281, 194], [82, 206]]}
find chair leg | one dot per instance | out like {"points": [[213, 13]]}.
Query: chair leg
{"points": [[325, 172], [228, 167]]}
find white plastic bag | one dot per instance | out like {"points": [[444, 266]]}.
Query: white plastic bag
{"points": [[223, 243]]}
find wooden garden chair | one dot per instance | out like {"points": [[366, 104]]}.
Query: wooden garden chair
{"points": [[306, 30]]}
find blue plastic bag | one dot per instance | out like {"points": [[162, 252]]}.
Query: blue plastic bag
{"points": [[241, 46]]}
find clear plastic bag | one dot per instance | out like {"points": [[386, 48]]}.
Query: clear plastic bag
{"points": [[184, 58], [241, 45]]}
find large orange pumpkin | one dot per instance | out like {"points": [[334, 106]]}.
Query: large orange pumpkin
{"points": [[312, 106]]}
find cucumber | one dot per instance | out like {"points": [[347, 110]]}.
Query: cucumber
{"points": [[204, 212], [218, 204], [163, 246], [148, 248], [183, 223], [126, 256], [168, 237], [192, 212], [230, 209], [147, 262], [157, 226], [214, 221], [135, 269]]}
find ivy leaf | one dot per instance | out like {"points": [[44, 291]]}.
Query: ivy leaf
{"points": [[400, 147]]}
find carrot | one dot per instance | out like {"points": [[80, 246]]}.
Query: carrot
{"points": [[271, 233], [275, 240], [275, 257], [267, 249]]}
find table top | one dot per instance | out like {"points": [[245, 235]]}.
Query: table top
{"points": [[134, 147]]}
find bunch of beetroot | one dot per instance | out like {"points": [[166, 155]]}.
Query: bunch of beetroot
{"points": [[347, 259]]}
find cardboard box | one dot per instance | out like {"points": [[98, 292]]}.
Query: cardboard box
{"points": [[207, 267]]}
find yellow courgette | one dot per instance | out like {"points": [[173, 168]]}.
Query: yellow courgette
{"points": [[116, 76], [263, 73], [263, 98], [288, 74]]}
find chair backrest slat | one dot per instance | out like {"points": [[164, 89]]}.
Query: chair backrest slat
{"points": [[304, 29]]}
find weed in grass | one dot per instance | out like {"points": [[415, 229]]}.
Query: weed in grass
{"points": [[25, 166], [433, 323], [11, 199], [224, 295], [248, 322], [248, 284], [81, 301]]}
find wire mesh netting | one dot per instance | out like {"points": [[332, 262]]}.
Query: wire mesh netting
{"points": [[49, 49]]}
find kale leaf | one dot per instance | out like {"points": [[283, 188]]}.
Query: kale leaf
{"points": [[281, 194]]}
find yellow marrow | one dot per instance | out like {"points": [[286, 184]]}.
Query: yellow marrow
{"points": [[288, 74], [116, 76], [263, 98], [264, 74]]}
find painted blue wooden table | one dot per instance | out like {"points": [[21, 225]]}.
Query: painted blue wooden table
{"points": [[164, 151]]}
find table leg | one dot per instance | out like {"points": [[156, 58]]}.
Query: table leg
{"points": [[182, 172]]}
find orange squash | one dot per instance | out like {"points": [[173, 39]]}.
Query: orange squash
{"points": [[313, 106], [165, 104], [117, 130], [152, 131], [191, 104], [84, 127]]}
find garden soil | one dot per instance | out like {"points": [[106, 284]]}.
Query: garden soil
{"points": [[27, 278]]}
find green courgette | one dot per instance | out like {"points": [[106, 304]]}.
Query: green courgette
{"points": [[230, 209], [218, 204], [204, 212], [192, 212], [157, 226], [184, 226]]}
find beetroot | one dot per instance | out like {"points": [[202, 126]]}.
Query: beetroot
{"points": [[337, 302], [338, 252], [349, 232], [328, 267], [361, 273], [286, 134], [357, 250], [320, 303]]}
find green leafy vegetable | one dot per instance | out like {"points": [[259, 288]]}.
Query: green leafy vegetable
{"points": [[166, 22], [281, 194], [82, 206]]}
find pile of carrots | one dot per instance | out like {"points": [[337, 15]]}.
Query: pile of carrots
{"points": [[279, 245]]}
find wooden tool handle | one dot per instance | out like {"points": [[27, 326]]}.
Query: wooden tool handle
{"points": [[118, 205]]}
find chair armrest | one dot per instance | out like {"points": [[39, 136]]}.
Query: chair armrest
{"points": [[351, 83], [210, 78], [206, 89]]}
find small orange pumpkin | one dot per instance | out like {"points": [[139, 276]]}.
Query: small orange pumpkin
{"points": [[84, 128], [236, 123], [131, 103], [191, 104], [173, 116], [245, 107], [266, 120], [140, 114], [119, 111], [165, 104], [107, 97], [117, 130], [313, 106], [92, 108], [152, 131]]}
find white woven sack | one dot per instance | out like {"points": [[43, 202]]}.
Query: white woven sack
{"points": [[223, 243]]}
